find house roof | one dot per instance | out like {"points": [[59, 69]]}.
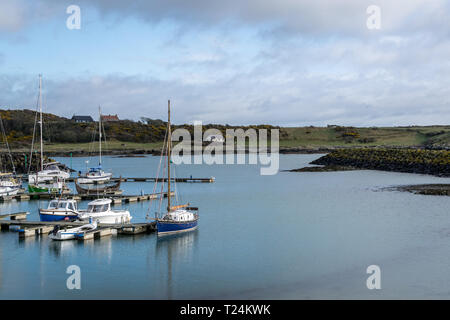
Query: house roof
{"points": [[110, 117], [83, 118]]}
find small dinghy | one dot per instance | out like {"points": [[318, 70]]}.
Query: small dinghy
{"points": [[71, 233]]}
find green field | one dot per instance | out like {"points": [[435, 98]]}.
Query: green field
{"points": [[93, 147], [347, 136], [303, 137]]}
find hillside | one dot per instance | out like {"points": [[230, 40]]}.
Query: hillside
{"points": [[332, 136], [62, 134]]}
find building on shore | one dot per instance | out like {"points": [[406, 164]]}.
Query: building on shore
{"points": [[82, 119], [109, 117]]}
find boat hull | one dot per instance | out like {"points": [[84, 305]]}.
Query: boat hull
{"points": [[32, 188], [49, 216], [8, 191], [113, 217], [172, 227]]}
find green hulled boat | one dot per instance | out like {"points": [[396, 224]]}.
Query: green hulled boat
{"points": [[34, 188]]}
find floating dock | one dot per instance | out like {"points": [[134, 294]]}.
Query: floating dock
{"points": [[186, 180], [117, 198], [18, 222]]}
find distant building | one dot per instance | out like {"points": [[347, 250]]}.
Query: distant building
{"points": [[81, 119], [214, 138], [110, 117]]}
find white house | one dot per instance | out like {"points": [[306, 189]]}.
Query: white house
{"points": [[214, 138]]}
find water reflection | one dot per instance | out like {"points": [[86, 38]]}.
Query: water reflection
{"points": [[100, 248], [58, 248], [179, 249]]}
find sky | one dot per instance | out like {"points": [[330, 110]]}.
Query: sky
{"points": [[283, 62]]}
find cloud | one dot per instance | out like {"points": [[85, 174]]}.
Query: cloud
{"points": [[302, 99], [319, 17], [313, 63]]}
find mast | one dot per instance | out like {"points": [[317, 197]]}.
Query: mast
{"points": [[169, 141], [100, 135], [40, 122]]}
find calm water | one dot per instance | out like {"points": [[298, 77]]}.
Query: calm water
{"points": [[292, 235]]}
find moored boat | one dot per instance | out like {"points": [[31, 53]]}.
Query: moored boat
{"points": [[48, 171], [57, 187], [179, 218], [100, 210], [96, 175], [71, 233], [57, 210], [105, 189]]}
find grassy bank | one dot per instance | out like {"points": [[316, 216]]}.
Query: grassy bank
{"points": [[333, 136]]}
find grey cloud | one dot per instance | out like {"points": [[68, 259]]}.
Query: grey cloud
{"points": [[303, 100], [329, 17]]}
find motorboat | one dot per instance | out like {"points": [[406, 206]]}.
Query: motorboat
{"points": [[100, 210], [61, 209], [71, 233]]}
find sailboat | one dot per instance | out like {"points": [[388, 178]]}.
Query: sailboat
{"points": [[96, 174], [179, 218], [9, 183], [49, 171]]}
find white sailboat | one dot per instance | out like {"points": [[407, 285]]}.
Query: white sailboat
{"points": [[48, 171], [9, 186], [96, 174], [9, 183]]}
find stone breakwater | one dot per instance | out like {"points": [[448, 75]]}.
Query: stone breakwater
{"points": [[21, 162], [434, 162]]}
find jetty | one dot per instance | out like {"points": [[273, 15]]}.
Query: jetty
{"points": [[116, 197], [18, 222], [147, 179]]}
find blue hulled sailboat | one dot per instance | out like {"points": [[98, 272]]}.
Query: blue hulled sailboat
{"points": [[179, 218]]}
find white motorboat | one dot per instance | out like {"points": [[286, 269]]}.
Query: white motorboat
{"points": [[71, 233], [62, 209], [100, 210]]}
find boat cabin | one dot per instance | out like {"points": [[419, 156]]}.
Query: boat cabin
{"points": [[54, 166], [179, 216], [99, 205], [63, 205]]}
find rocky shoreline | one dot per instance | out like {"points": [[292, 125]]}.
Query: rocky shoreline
{"points": [[425, 189], [329, 168], [433, 162]]}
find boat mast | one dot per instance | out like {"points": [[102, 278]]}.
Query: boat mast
{"points": [[169, 140], [100, 135], [40, 122]]}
